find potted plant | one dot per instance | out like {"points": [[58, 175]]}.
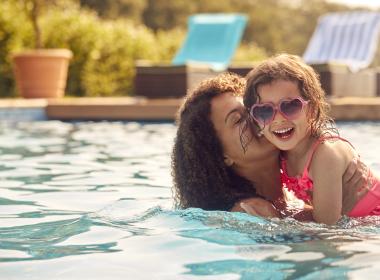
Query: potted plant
{"points": [[40, 73]]}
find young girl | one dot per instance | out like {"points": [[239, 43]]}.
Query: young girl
{"points": [[286, 100]]}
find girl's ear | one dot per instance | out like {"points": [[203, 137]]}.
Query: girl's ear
{"points": [[228, 161]]}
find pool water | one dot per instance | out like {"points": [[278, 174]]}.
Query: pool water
{"points": [[93, 201]]}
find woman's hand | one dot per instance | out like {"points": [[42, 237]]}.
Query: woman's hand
{"points": [[354, 184], [256, 207], [354, 188]]}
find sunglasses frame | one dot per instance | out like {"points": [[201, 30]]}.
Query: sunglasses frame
{"points": [[277, 109]]}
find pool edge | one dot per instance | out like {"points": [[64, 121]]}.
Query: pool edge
{"points": [[140, 108]]}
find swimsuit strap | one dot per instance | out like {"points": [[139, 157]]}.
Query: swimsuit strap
{"points": [[314, 148]]}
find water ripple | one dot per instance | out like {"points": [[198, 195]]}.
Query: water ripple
{"points": [[98, 195]]}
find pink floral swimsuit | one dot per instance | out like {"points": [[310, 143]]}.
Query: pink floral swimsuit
{"points": [[302, 185]]}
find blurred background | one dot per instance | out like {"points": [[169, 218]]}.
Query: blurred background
{"points": [[108, 36]]}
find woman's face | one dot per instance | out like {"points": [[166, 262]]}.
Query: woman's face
{"points": [[228, 117]]}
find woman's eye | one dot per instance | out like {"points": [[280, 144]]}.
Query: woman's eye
{"points": [[238, 120], [242, 117], [241, 120]]}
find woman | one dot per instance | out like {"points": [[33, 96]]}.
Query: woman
{"points": [[218, 161]]}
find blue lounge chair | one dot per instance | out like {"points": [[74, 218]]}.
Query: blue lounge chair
{"points": [[207, 50], [349, 38], [211, 39]]}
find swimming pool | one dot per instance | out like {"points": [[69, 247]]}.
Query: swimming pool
{"points": [[93, 200]]}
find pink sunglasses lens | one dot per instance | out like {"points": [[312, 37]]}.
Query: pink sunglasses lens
{"points": [[262, 113], [290, 108]]}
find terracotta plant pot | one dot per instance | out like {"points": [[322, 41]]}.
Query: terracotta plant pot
{"points": [[42, 73]]}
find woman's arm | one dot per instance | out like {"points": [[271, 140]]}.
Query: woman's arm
{"points": [[354, 188], [257, 207], [304, 215], [354, 184]]}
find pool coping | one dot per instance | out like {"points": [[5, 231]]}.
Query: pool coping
{"points": [[141, 108]]}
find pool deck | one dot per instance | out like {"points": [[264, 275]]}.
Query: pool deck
{"points": [[140, 108]]}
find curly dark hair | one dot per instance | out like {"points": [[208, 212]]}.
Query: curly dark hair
{"points": [[292, 68], [201, 178]]}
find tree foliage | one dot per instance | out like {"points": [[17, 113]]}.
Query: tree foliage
{"points": [[274, 25], [104, 51], [112, 9], [108, 36]]}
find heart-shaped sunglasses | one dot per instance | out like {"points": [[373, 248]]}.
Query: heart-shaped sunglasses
{"points": [[264, 113]]}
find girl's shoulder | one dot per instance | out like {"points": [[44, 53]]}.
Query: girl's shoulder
{"points": [[332, 151], [335, 146]]}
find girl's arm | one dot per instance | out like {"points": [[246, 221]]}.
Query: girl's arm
{"points": [[329, 164]]}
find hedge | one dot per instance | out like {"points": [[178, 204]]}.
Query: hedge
{"points": [[104, 51]]}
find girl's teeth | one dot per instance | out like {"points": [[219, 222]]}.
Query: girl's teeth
{"points": [[283, 130]]}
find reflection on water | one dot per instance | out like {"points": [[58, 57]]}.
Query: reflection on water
{"points": [[93, 200]]}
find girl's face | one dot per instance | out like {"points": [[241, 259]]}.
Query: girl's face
{"points": [[285, 134]]}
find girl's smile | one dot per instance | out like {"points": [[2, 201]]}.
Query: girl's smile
{"points": [[283, 131]]}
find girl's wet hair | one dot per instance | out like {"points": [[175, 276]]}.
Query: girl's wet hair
{"points": [[292, 68]]}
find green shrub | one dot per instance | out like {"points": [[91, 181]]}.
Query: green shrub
{"points": [[169, 42], [104, 51], [76, 31], [250, 53], [111, 67], [14, 35]]}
